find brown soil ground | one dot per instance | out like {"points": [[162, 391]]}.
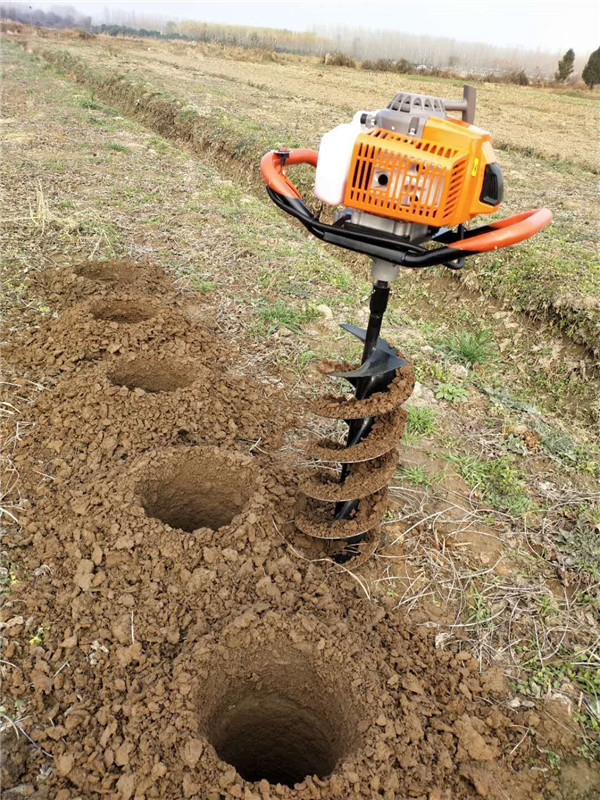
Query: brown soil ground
{"points": [[192, 654], [168, 639]]}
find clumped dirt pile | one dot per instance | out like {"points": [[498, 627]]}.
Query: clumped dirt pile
{"points": [[66, 283], [165, 639]]}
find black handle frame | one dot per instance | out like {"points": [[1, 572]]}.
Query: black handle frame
{"points": [[379, 245]]}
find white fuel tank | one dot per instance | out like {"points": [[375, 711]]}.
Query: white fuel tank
{"points": [[335, 154]]}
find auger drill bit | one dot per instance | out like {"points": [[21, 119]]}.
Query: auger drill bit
{"points": [[380, 366], [375, 373], [405, 181]]}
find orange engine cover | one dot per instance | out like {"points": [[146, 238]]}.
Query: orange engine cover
{"points": [[434, 180]]}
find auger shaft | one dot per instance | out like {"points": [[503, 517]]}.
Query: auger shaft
{"points": [[360, 428]]}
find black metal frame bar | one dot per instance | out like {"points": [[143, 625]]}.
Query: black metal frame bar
{"points": [[377, 245]]}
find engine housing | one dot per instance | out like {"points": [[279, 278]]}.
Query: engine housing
{"points": [[443, 177]]}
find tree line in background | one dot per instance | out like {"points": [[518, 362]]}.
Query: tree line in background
{"points": [[59, 17], [590, 74], [342, 46]]}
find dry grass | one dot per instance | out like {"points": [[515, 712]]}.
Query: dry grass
{"points": [[552, 124]]}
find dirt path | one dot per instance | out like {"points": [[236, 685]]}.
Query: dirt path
{"points": [[162, 636]]}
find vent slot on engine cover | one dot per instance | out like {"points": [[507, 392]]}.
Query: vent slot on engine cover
{"points": [[403, 177]]}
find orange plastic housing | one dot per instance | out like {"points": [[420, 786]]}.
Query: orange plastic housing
{"points": [[435, 180]]}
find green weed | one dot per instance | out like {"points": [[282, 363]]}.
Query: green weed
{"points": [[272, 316], [450, 392], [39, 636], [200, 284], [8, 578], [580, 545], [554, 760], [497, 480], [546, 606], [589, 750], [305, 357], [478, 607], [425, 370], [585, 598], [417, 476], [471, 348], [118, 148], [581, 669], [420, 420], [92, 104], [187, 115]]}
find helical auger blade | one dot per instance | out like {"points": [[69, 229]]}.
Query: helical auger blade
{"points": [[345, 505]]}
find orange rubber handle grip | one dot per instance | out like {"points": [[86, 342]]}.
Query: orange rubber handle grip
{"points": [[273, 166], [506, 231]]}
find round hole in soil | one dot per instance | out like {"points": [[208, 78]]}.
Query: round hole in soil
{"points": [[153, 375], [125, 312], [282, 723], [202, 489], [119, 272]]}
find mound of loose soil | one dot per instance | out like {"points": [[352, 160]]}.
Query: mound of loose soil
{"points": [[81, 421], [194, 664], [166, 640], [107, 325], [65, 284]]}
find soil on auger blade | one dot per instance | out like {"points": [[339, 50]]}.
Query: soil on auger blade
{"points": [[384, 435], [365, 478], [319, 550], [315, 518], [349, 407], [215, 662]]}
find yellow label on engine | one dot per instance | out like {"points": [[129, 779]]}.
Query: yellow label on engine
{"points": [[475, 167]]}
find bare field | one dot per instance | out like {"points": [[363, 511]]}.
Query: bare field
{"points": [[161, 324], [244, 108], [544, 122]]}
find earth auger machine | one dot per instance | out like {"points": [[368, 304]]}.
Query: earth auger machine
{"points": [[405, 181]]}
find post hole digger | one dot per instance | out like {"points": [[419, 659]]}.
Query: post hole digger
{"points": [[405, 181]]}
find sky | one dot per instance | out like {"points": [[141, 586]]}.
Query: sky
{"points": [[532, 24]]}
